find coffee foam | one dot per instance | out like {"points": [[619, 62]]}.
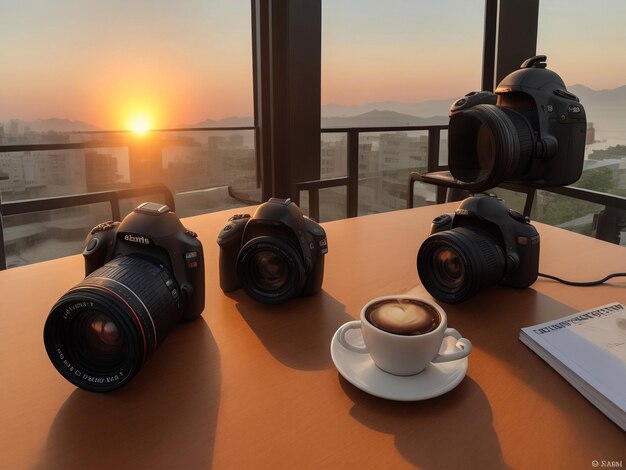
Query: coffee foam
{"points": [[403, 316]]}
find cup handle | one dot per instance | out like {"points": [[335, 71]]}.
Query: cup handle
{"points": [[341, 336], [463, 347]]}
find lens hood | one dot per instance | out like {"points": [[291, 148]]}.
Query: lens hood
{"points": [[488, 144]]}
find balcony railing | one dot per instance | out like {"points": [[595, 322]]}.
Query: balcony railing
{"points": [[113, 140], [59, 176], [610, 220], [351, 181]]}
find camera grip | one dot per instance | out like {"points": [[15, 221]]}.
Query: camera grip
{"points": [[229, 241], [99, 246], [228, 273]]}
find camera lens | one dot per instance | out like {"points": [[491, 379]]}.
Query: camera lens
{"points": [[100, 332], [270, 270], [455, 264], [448, 269], [99, 340], [489, 144]]}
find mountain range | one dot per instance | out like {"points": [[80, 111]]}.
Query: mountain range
{"points": [[372, 118], [51, 124], [598, 103]]}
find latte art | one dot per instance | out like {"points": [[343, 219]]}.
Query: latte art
{"points": [[403, 316]]}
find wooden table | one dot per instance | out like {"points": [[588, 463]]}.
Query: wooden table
{"points": [[254, 387]]}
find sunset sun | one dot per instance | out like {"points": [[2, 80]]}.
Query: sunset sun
{"points": [[139, 124]]}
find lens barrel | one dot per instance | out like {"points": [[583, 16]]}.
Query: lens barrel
{"points": [[489, 144], [455, 264], [270, 270], [99, 334]]}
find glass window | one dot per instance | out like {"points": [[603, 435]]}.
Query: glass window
{"points": [[584, 42], [413, 58], [394, 64], [124, 65], [119, 94]]}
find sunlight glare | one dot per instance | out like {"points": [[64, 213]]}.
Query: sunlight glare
{"points": [[139, 124]]}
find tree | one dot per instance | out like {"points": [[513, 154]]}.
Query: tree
{"points": [[598, 179]]}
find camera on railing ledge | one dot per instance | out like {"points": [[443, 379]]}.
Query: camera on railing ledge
{"points": [[531, 130], [481, 244], [143, 275], [275, 255]]}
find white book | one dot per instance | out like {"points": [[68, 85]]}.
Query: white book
{"points": [[589, 350]]}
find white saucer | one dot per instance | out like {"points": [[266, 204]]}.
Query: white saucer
{"points": [[359, 369]]}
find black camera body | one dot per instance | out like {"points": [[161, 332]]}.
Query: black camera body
{"points": [[531, 131], [152, 231], [142, 276], [275, 255], [482, 243]]}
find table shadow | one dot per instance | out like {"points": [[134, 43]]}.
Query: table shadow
{"points": [[449, 431], [297, 333], [475, 318], [164, 418]]}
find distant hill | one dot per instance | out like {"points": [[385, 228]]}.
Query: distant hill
{"points": [[615, 98], [422, 108], [382, 118], [50, 125], [233, 121], [600, 105], [372, 118], [605, 107]]}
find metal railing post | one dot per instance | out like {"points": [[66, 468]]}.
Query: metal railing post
{"points": [[314, 204], [352, 190], [434, 136]]}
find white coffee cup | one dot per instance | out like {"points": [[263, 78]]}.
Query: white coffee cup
{"points": [[406, 353]]}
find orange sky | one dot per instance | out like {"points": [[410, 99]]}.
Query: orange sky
{"points": [[107, 63]]}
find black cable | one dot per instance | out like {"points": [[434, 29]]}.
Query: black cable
{"points": [[583, 284]]}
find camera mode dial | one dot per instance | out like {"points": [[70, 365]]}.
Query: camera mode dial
{"points": [[239, 216], [234, 225], [104, 226], [473, 98], [440, 223], [91, 246], [443, 219]]}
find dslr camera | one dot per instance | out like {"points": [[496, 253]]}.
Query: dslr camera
{"points": [[275, 255], [143, 276], [531, 131], [481, 244]]}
